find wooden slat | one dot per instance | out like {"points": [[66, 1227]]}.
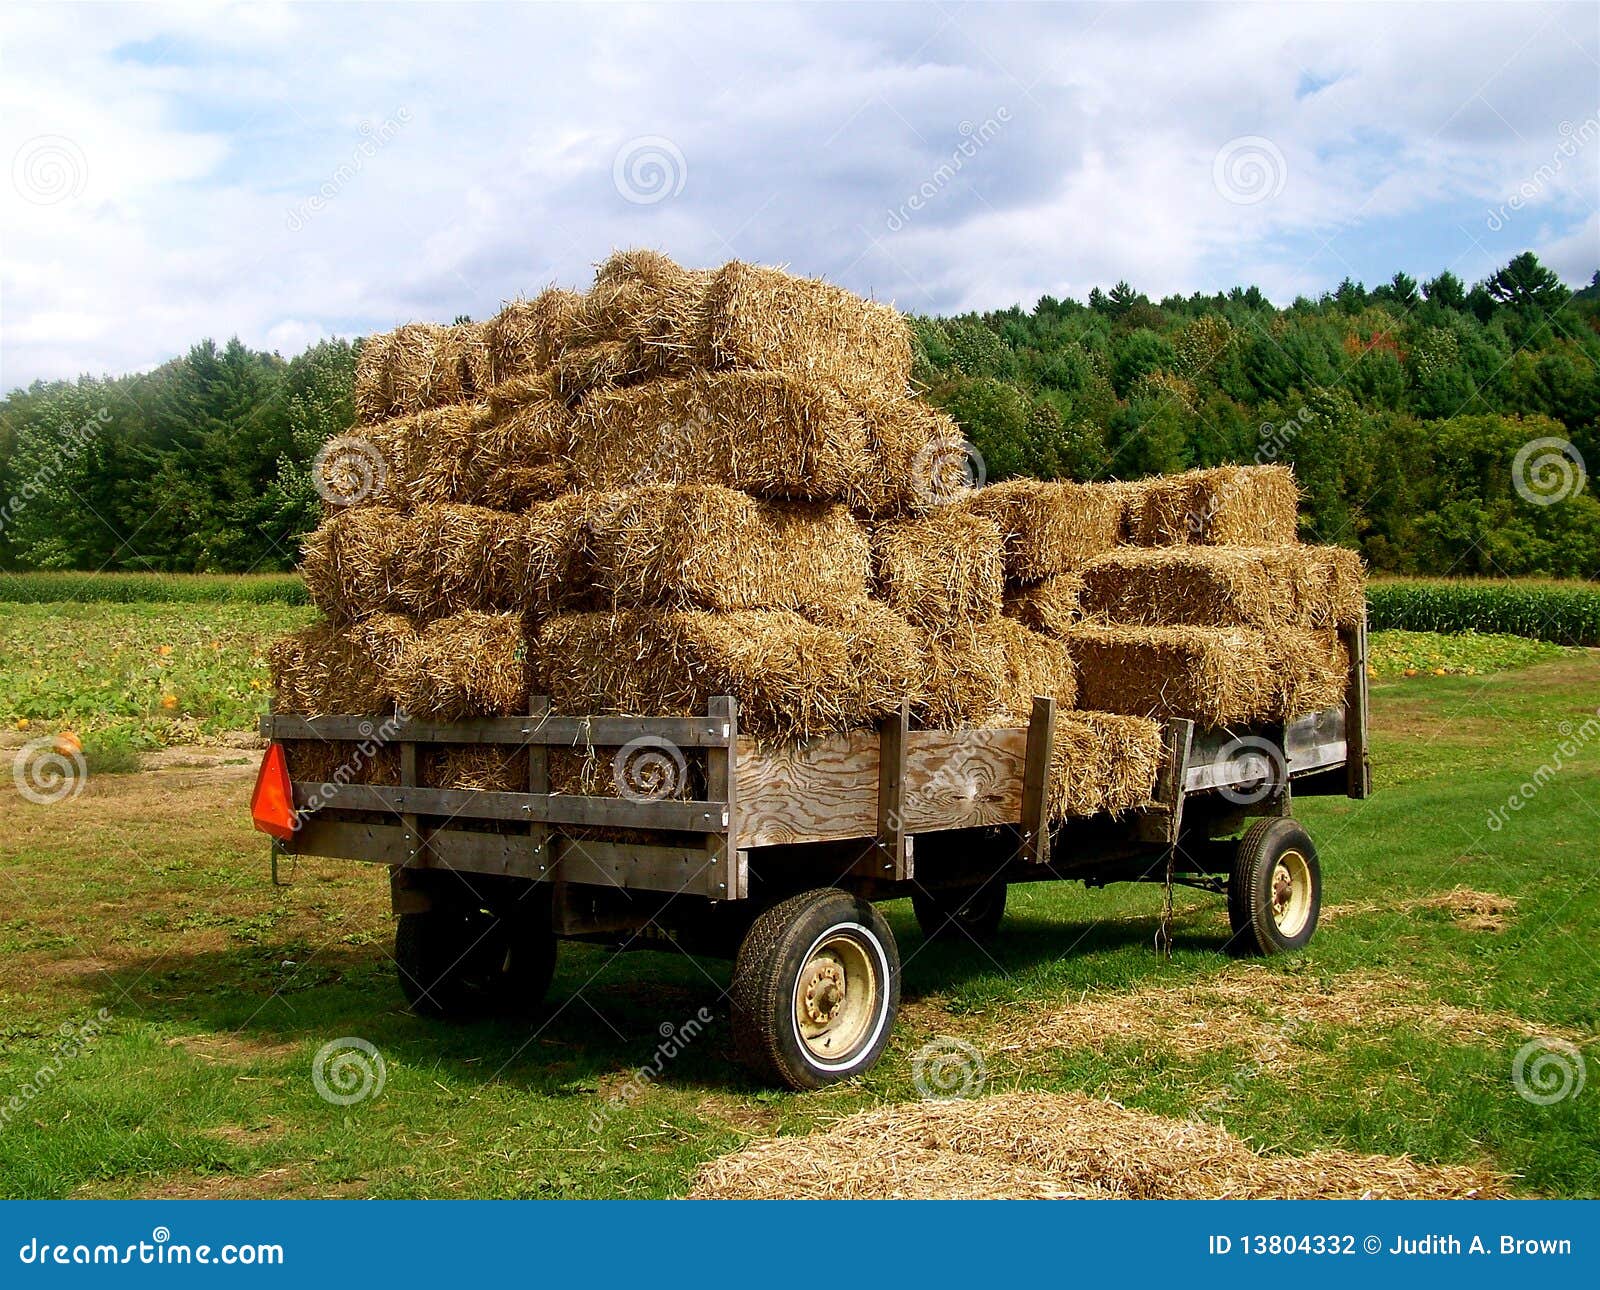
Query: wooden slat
{"points": [[551, 731], [1035, 812], [721, 873], [678, 870], [462, 850], [408, 779], [474, 804], [893, 845], [963, 779], [1358, 767], [539, 785]]}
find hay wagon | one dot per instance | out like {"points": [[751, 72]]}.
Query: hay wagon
{"points": [[774, 857]]}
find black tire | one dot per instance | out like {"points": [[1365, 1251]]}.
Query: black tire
{"points": [[1274, 889], [459, 962], [829, 956], [961, 914]]}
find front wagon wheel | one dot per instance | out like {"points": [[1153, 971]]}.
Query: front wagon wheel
{"points": [[1274, 889], [816, 987]]}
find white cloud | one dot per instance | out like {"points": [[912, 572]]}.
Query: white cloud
{"points": [[201, 136]]}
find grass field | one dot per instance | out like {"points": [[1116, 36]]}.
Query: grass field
{"points": [[163, 1002]]}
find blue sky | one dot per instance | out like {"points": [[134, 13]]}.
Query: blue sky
{"points": [[286, 173]]}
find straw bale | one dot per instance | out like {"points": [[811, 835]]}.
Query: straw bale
{"points": [[583, 370], [989, 673], [509, 395], [374, 396], [1043, 1145], [490, 768], [1221, 506], [426, 367], [644, 298], [467, 665], [525, 337], [943, 567], [890, 657], [477, 373], [351, 563], [1049, 527], [705, 546], [766, 433], [793, 679], [470, 557], [330, 670], [1310, 668], [764, 318], [321, 761], [1051, 606], [1102, 762], [1209, 675]]}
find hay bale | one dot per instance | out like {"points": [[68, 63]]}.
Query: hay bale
{"points": [[1102, 763], [1222, 506], [511, 394], [888, 651], [1050, 606], [467, 665], [461, 558], [1311, 669], [1049, 527], [477, 372], [641, 297], [490, 768], [1216, 586], [764, 318], [329, 670], [1212, 676], [766, 433], [989, 673], [373, 394], [583, 370], [683, 546], [516, 488], [793, 679], [322, 761], [525, 337], [918, 457], [427, 366], [351, 563], [941, 568]]}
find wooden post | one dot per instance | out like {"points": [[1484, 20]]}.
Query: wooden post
{"points": [[894, 859], [415, 852], [725, 873], [539, 785], [1358, 768], [1036, 782]]}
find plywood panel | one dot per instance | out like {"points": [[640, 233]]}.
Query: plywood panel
{"points": [[825, 790], [963, 779]]}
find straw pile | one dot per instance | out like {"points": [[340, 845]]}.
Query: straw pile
{"points": [[1044, 1146], [687, 483]]}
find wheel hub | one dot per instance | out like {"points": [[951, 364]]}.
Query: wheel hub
{"points": [[824, 992], [835, 998], [1290, 893]]}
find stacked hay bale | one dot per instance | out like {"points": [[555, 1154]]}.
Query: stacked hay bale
{"points": [[686, 483]]}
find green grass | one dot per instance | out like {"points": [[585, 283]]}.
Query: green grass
{"points": [[148, 896], [146, 673], [157, 588], [1567, 613], [1397, 653]]}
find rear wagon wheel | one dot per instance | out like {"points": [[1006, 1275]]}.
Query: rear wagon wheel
{"points": [[1274, 889], [816, 987], [459, 962], [961, 914]]}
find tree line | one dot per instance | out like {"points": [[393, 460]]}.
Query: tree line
{"points": [[1437, 428]]}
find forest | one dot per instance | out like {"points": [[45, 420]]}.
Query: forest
{"points": [[1407, 411]]}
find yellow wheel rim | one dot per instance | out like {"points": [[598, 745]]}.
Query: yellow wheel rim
{"points": [[835, 999], [1290, 894]]}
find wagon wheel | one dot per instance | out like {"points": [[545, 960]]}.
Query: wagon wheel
{"points": [[1274, 889], [816, 987], [961, 914], [459, 961]]}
